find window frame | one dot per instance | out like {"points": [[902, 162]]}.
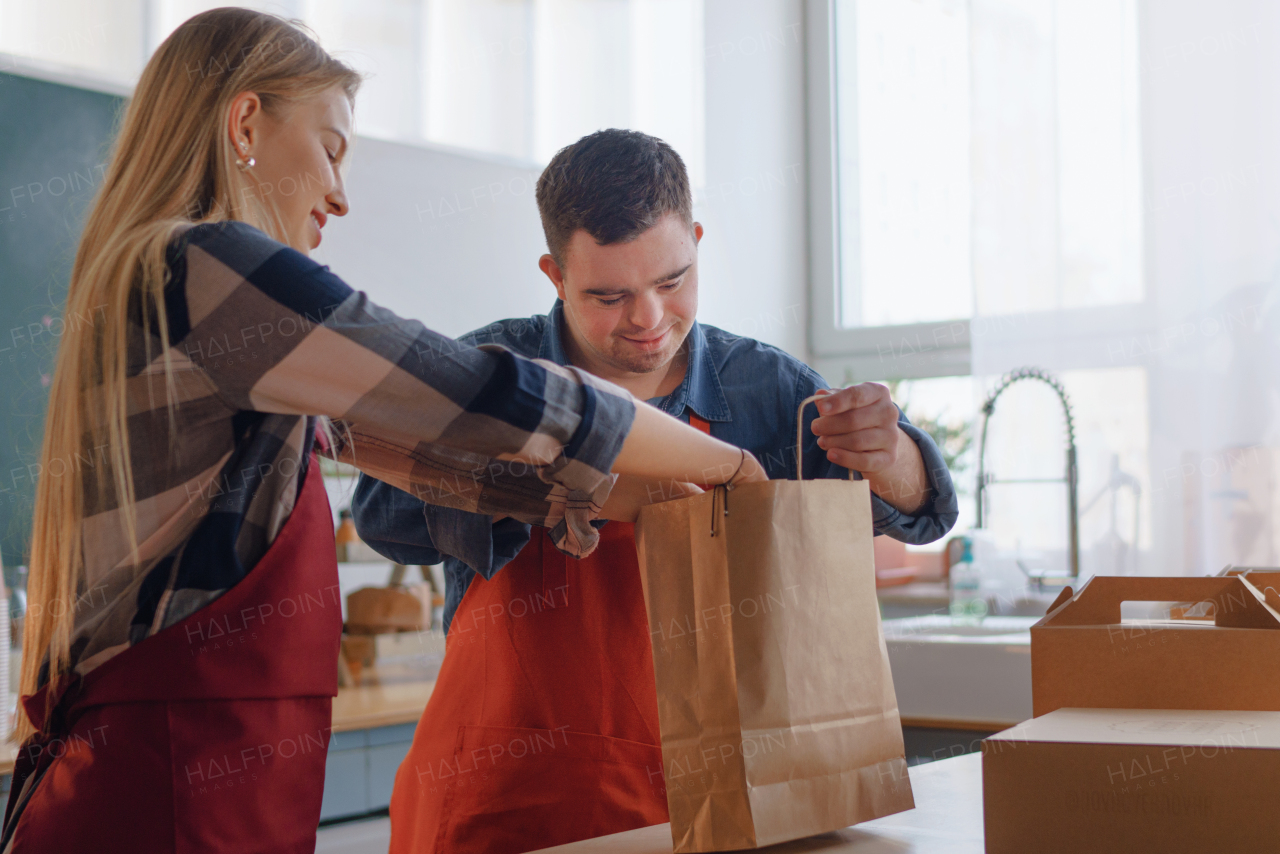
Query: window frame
{"points": [[918, 350]]}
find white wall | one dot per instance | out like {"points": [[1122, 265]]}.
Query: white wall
{"points": [[453, 239], [754, 257]]}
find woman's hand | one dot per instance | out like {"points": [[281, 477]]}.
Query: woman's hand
{"points": [[629, 494], [662, 448], [751, 471]]}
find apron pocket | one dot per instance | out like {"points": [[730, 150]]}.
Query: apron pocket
{"points": [[517, 789], [248, 775]]}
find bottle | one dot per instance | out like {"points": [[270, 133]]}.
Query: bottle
{"points": [[968, 605], [345, 535]]}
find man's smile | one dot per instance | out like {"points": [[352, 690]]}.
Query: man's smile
{"points": [[650, 343]]}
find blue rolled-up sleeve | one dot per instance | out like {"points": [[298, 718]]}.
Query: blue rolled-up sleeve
{"points": [[936, 518], [405, 529], [392, 522], [928, 524]]}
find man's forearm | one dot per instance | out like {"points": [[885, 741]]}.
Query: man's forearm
{"points": [[905, 483]]}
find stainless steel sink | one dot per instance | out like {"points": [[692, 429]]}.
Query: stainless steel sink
{"points": [[950, 675]]}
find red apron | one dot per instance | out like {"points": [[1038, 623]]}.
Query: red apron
{"points": [[210, 735], [543, 725]]}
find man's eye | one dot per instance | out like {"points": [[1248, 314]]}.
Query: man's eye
{"points": [[611, 302], [671, 286]]}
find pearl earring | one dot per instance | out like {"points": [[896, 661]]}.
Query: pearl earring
{"points": [[241, 163]]}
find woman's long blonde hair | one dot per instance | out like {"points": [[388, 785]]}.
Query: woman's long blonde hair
{"points": [[172, 164]]}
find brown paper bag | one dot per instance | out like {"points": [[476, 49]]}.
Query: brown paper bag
{"points": [[1083, 655], [776, 706]]}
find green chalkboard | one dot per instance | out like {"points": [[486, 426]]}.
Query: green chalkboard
{"points": [[54, 141]]}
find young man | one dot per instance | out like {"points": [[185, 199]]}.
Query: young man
{"points": [[543, 727]]}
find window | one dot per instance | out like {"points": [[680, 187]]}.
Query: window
{"points": [[986, 210], [985, 161], [903, 132], [518, 78]]}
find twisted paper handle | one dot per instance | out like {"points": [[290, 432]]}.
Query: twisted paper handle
{"points": [[800, 437]]}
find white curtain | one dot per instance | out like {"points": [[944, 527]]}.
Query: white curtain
{"points": [[1126, 234]]}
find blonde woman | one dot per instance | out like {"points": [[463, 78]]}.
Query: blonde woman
{"points": [[182, 639]]}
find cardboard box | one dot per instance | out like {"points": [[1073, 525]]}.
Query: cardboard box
{"points": [[1265, 579], [1083, 655], [374, 610], [1119, 780]]}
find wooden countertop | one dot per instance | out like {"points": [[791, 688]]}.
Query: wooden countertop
{"points": [[393, 691], [374, 705], [947, 820]]}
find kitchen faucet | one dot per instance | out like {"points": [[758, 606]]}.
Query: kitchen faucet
{"points": [[1071, 477]]}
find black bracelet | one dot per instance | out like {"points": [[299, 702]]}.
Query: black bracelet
{"points": [[728, 484]]}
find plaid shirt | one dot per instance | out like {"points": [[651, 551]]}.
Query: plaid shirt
{"points": [[262, 341]]}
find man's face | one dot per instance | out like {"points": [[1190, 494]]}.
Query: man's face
{"points": [[630, 305]]}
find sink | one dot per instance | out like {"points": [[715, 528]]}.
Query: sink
{"points": [[937, 628], [961, 676]]}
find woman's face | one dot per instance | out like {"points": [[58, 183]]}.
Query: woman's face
{"points": [[297, 156]]}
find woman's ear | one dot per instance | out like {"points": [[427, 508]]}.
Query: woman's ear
{"points": [[244, 121]]}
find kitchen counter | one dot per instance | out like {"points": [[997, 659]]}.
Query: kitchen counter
{"points": [[961, 677], [947, 820], [373, 706], [373, 726]]}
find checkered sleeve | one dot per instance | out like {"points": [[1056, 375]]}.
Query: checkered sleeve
{"points": [[476, 428]]}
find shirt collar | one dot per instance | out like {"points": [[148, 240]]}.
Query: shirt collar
{"points": [[552, 348], [700, 390]]}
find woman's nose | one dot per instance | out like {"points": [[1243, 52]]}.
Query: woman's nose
{"points": [[337, 201]]}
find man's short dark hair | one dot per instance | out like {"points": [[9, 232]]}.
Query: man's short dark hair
{"points": [[615, 185]]}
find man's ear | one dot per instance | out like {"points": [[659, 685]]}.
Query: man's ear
{"points": [[697, 232], [553, 272]]}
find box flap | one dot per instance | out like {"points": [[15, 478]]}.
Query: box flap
{"points": [[1157, 727], [1236, 602], [1267, 582]]}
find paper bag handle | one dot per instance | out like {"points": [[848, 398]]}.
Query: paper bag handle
{"points": [[1237, 604], [722, 489], [800, 437]]}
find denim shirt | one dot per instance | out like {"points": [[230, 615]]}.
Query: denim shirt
{"points": [[747, 391]]}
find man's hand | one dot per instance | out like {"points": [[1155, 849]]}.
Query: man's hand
{"points": [[858, 428]]}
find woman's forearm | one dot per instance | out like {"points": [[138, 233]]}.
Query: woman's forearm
{"points": [[661, 447]]}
